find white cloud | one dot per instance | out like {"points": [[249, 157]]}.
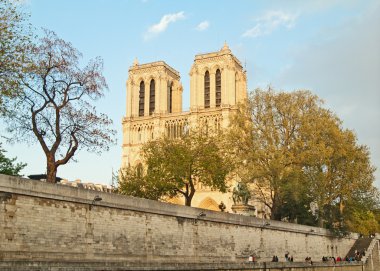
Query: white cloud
{"points": [[254, 32], [163, 24], [269, 22], [203, 26]]}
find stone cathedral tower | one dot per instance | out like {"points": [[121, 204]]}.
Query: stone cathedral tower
{"points": [[154, 107]]}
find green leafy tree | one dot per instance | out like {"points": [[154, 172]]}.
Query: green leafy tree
{"points": [[172, 167], [339, 170], [132, 181], [361, 213], [54, 108], [296, 202], [295, 153], [15, 38], [8, 165], [362, 221]]}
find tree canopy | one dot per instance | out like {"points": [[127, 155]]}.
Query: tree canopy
{"points": [[15, 38], [294, 153], [8, 166], [172, 167], [54, 107]]}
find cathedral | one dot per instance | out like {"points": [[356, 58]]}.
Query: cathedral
{"points": [[154, 107]]}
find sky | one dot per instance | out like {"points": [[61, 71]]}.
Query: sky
{"points": [[331, 48]]}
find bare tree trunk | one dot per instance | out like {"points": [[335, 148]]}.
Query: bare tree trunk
{"points": [[341, 207], [190, 196], [51, 169], [276, 210], [188, 200], [320, 221]]}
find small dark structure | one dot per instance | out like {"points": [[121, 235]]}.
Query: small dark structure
{"points": [[42, 177]]}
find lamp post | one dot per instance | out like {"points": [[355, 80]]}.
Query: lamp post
{"points": [[96, 198], [201, 214]]}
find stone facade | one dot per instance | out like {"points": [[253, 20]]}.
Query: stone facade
{"points": [[154, 107], [43, 222]]}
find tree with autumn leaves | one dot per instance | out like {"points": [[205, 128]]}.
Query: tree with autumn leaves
{"points": [[294, 153]]}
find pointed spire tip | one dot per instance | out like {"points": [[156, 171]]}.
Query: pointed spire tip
{"points": [[225, 46]]}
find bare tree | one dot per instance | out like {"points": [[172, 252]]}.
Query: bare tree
{"points": [[55, 107]]}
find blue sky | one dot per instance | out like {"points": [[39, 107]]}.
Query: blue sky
{"points": [[329, 47]]}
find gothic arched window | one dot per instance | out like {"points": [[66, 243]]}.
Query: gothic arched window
{"points": [[152, 97], [141, 99], [207, 89], [218, 88], [139, 136]]}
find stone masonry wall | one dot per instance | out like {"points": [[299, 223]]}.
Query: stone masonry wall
{"points": [[51, 222]]}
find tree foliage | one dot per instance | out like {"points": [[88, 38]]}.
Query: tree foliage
{"points": [[362, 212], [8, 165], [132, 181], [172, 167], [295, 153], [55, 108], [15, 38], [339, 170]]}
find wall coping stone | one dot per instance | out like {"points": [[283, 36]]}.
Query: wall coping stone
{"points": [[33, 188]]}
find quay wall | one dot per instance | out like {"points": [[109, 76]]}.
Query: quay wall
{"points": [[55, 224]]}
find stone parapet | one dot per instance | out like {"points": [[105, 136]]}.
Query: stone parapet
{"points": [[73, 194], [56, 224]]}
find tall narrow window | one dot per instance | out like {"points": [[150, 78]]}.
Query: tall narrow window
{"points": [[218, 88], [141, 99], [152, 97], [170, 97], [207, 90], [139, 134]]}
